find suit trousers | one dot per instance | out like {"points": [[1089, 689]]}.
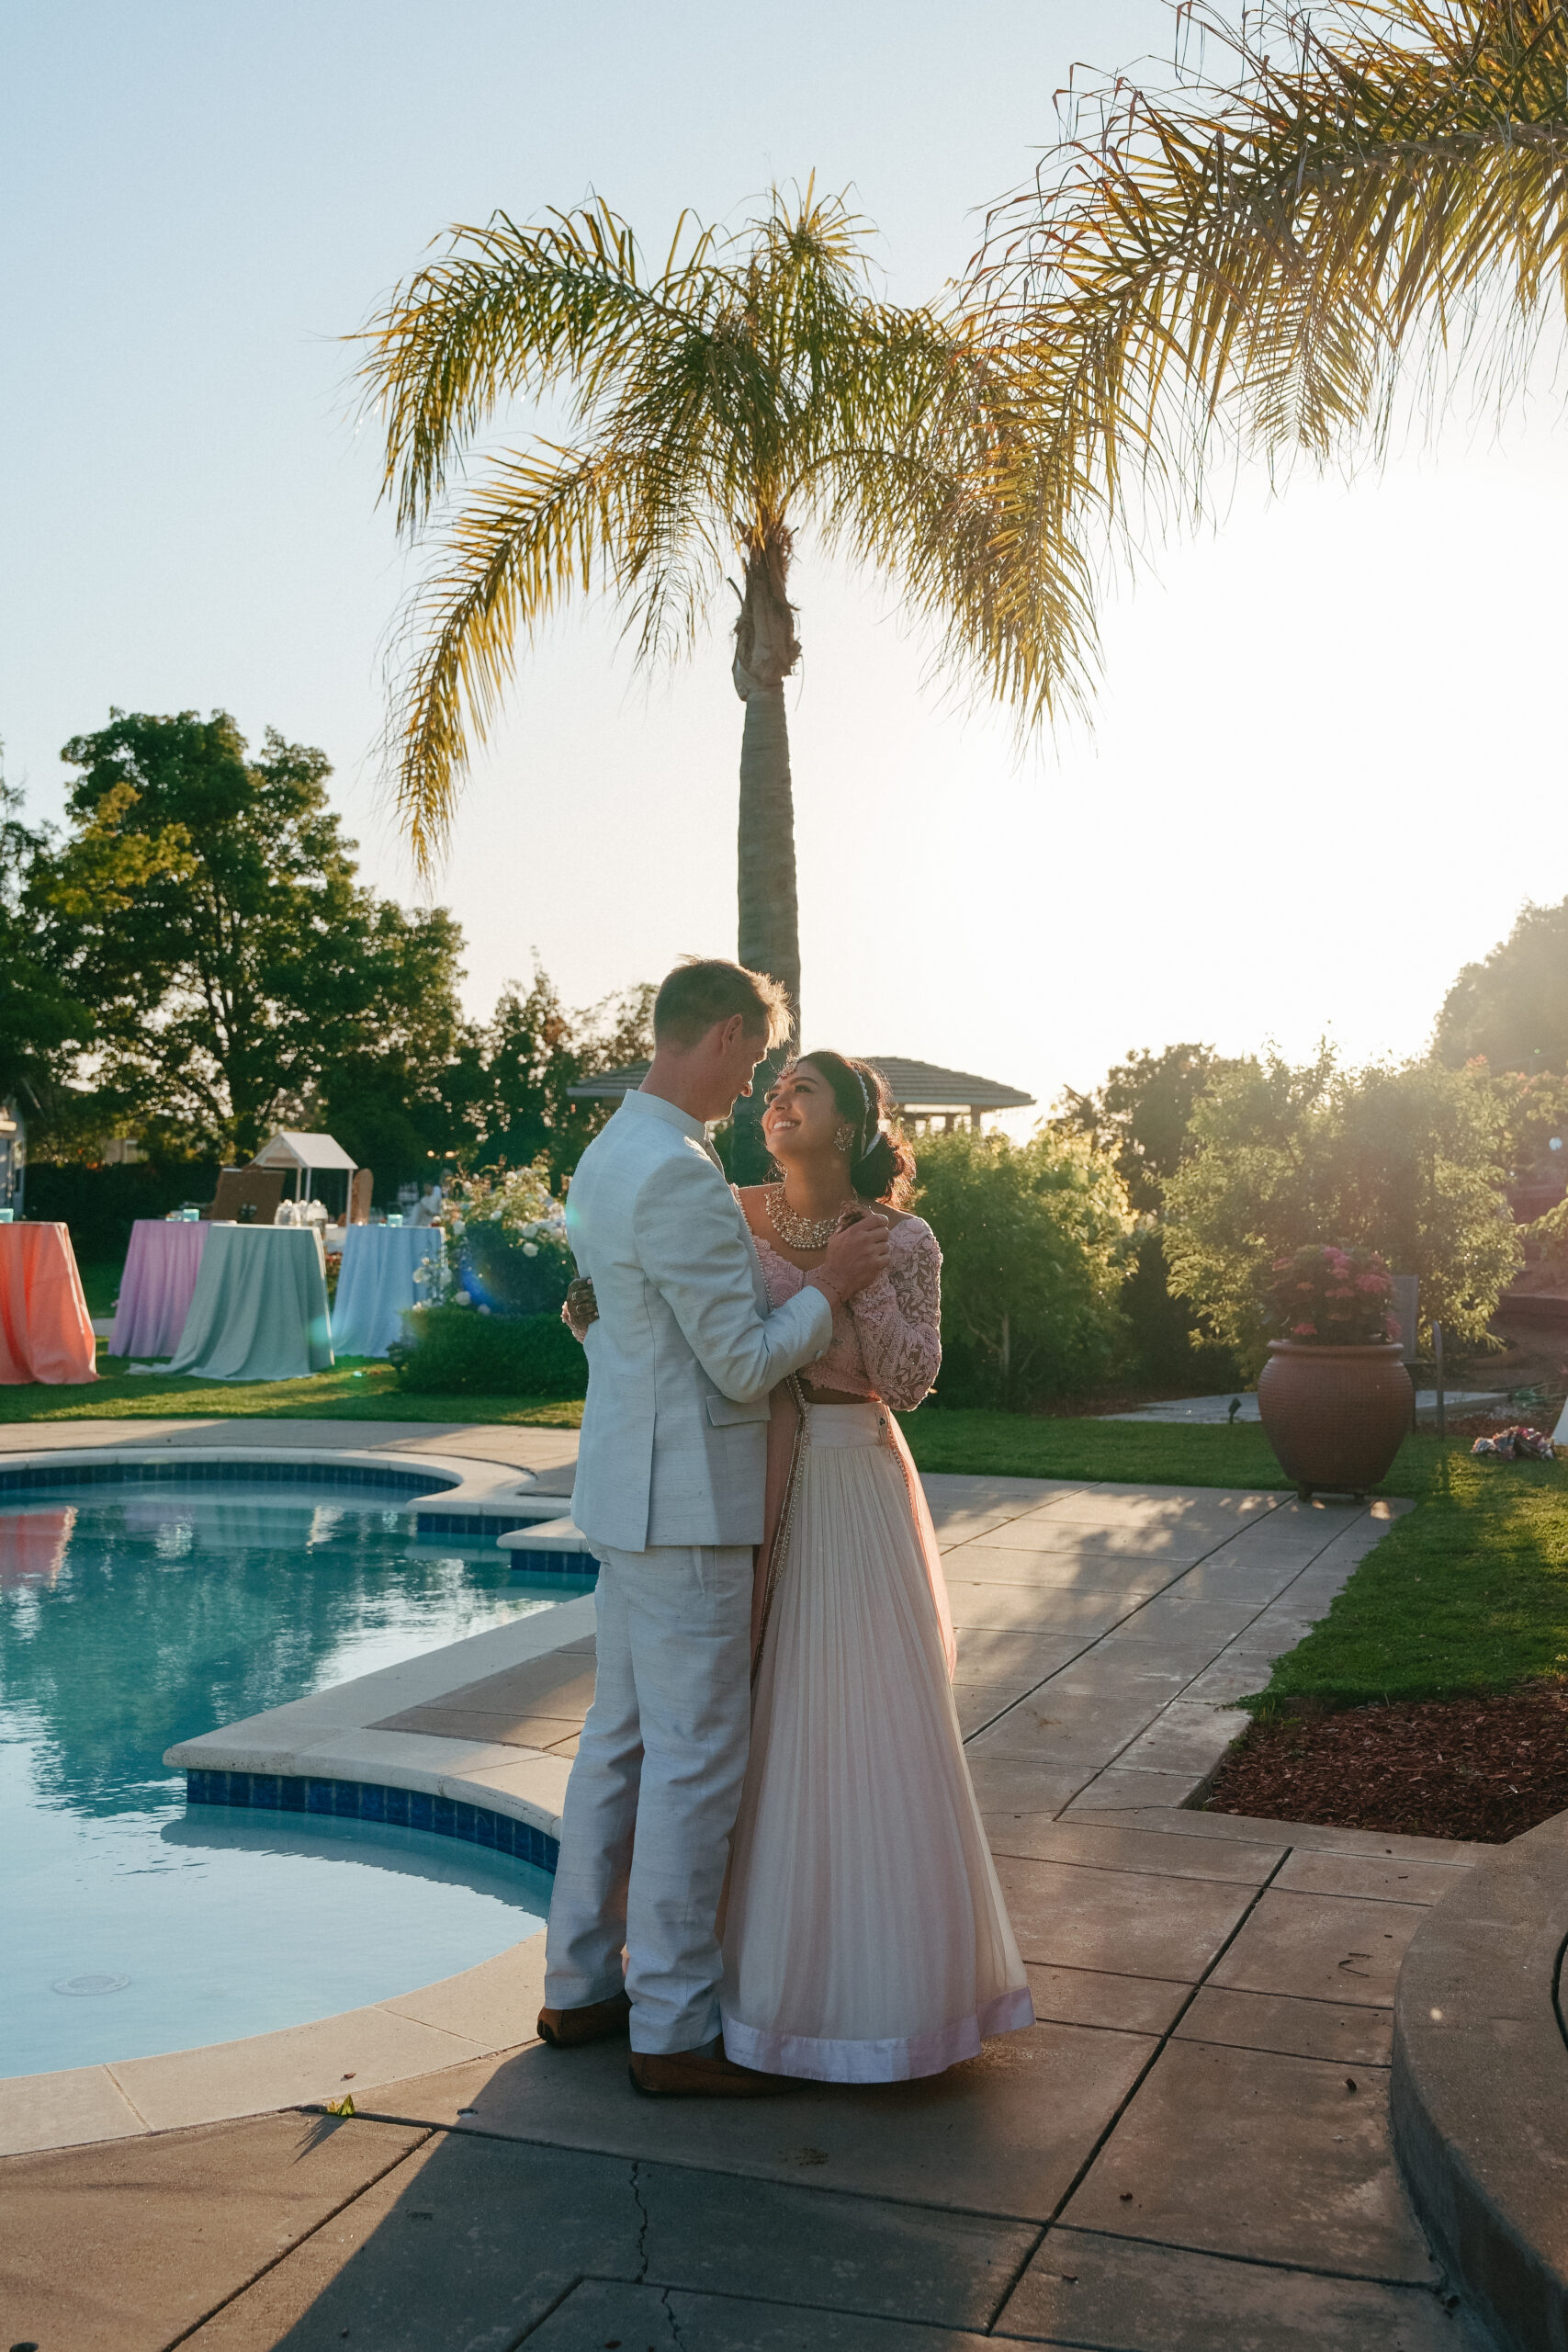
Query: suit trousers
{"points": [[654, 1791]]}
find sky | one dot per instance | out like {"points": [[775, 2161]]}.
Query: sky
{"points": [[1326, 749]]}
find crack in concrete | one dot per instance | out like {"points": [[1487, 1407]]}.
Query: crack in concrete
{"points": [[675, 2336], [644, 2223]]}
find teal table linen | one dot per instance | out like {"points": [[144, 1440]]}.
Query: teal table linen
{"points": [[259, 1309]]}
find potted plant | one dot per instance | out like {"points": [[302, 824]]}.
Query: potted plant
{"points": [[1333, 1397]]}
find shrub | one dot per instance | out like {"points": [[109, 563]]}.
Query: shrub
{"points": [[457, 1351], [1036, 1240], [1171, 1346]]}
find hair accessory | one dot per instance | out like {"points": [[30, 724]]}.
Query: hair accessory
{"points": [[870, 1123]]}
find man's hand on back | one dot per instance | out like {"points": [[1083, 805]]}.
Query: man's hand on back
{"points": [[856, 1255]]}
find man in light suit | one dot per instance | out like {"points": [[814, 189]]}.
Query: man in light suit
{"points": [[669, 1495]]}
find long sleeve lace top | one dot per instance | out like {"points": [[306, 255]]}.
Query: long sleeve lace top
{"points": [[886, 1340]]}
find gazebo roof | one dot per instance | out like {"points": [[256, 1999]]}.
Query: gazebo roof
{"points": [[289, 1148], [914, 1086]]}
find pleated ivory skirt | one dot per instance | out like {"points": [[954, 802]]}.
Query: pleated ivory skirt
{"points": [[865, 1938]]}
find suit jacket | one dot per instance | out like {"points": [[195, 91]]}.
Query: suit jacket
{"points": [[685, 1349]]}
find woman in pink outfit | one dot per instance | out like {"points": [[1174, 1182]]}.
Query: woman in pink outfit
{"points": [[866, 1940]]}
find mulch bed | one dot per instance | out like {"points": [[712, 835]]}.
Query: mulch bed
{"points": [[1483, 1769]]}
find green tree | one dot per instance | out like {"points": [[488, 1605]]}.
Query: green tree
{"points": [[751, 386], [1034, 1240], [514, 1102], [242, 977], [1143, 1115], [1511, 1009], [44, 1025], [1410, 1161]]}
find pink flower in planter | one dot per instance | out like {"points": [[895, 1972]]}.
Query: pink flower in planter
{"points": [[1304, 1331]]}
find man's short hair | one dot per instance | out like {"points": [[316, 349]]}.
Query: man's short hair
{"points": [[703, 989]]}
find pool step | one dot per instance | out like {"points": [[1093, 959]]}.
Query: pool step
{"points": [[552, 1547]]}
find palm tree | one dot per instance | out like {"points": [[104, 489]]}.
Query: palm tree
{"points": [[1367, 200], [753, 385]]}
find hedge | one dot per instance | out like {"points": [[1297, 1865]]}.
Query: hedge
{"points": [[100, 1204], [455, 1352]]}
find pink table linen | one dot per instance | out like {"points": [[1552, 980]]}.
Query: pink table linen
{"points": [[46, 1332], [155, 1289]]}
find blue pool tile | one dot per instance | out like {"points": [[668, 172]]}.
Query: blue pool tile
{"points": [[500, 1833]]}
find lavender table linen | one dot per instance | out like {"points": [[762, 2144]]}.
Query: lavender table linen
{"points": [[156, 1287], [375, 1284]]}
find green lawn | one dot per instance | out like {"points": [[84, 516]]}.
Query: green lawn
{"points": [[1467, 1593], [351, 1392], [101, 1284], [1018, 1445]]}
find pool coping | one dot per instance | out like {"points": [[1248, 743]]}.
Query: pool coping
{"points": [[475, 1497], [325, 1742]]}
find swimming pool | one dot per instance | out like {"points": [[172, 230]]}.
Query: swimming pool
{"points": [[134, 1616]]}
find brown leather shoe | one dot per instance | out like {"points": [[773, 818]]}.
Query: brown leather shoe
{"points": [[686, 2074], [600, 2021]]}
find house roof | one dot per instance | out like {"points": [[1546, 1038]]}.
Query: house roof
{"points": [[914, 1086], [289, 1148]]}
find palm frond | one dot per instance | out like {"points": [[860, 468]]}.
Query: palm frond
{"points": [[536, 532], [1369, 198], [506, 312]]}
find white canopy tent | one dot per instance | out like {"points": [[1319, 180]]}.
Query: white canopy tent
{"points": [[307, 1157]]}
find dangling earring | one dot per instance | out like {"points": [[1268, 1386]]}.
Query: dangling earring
{"points": [[844, 1136]]}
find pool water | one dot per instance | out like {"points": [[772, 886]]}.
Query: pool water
{"points": [[134, 1617]]}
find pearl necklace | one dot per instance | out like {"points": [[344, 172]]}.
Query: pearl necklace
{"points": [[801, 1232]]}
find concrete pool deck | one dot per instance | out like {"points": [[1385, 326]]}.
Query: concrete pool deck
{"points": [[1190, 2149]]}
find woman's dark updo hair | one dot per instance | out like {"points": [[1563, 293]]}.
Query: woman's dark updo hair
{"points": [[882, 1165]]}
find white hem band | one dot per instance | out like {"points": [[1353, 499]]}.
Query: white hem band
{"points": [[896, 2060]]}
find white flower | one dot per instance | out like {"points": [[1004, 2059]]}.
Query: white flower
{"points": [[530, 1248], [461, 1298]]}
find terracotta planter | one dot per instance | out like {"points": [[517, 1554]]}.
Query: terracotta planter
{"points": [[1336, 1417]]}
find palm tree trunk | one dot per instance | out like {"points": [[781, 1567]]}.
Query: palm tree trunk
{"points": [[769, 933], [766, 651]]}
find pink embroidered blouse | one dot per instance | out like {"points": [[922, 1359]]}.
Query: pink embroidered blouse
{"points": [[886, 1340]]}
